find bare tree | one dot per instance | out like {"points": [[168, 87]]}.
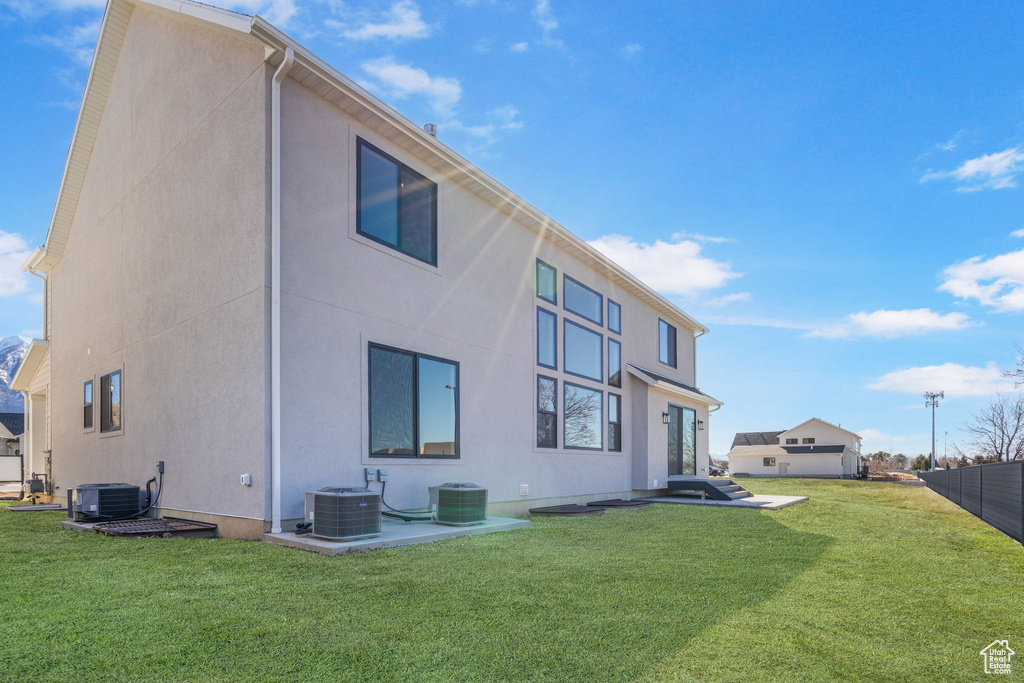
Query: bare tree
{"points": [[997, 431], [1018, 372]]}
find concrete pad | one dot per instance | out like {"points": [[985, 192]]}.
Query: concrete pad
{"points": [[758, 502], [394, 534]]}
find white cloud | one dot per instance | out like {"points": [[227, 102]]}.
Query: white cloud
{"points": [[672, 268], [878, 436], [519, 47], [989, 172], [954, 379], [754, 321], [950, 145], [728, 299], [545, 18], [13, 253], [401, 21], [32, 9], [402, 80], [997, 282], [77, 41], [632, 49], [1017, 233], [891, 324], [701, 238], [498, 120]]}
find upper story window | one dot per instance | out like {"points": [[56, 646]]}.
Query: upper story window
{"points": [[582, 300], [87, 406], [808, 439], [547, 282], [666, 343], [614, 363], [583, 353], [396, 205], [547, 339], [110, 402], [790, 441], [614, 317]]}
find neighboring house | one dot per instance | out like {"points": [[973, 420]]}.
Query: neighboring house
{"points": [[307, 284], [12, 425], [813, 449]]}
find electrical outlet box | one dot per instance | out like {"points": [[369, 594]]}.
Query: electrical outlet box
{"points": [[524, 489], [655, 483], [160, 466], [246, 480], [370, 474], [382, 475]]}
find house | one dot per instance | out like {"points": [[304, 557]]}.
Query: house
{"points": [[815, 448], [261, 275], [11, 429]]}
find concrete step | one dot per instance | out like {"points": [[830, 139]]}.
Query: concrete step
{"points": [[736, 495], [730, 489]]}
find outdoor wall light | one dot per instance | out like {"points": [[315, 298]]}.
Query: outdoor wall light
{"points": [[700, 424], [664, 418]]}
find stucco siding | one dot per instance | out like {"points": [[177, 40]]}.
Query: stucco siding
{"points": [[798, 465]]}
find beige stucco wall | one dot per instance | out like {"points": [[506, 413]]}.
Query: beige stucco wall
{"points": [[822, 433], [826, 465], [164, 276]]}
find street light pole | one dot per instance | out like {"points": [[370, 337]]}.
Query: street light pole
{"points": [[931, 400]]}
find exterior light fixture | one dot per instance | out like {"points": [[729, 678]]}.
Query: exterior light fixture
{"points": [[664, 418], [700, 424]]}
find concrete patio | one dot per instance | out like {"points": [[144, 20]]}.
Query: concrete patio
{"points": [[760, 502]]}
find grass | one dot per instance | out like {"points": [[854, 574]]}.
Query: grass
{"points": [[863, 582]]}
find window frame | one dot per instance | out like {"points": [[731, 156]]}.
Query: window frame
{"points": [[674, 347], [792, 442], [554, 316], [554, 300], [768, 464], [457, 455], [618, 383], [618, 423], [88, 406], [808, 440], [547, 412], [565, 299], [565, 351], [107, 406], [609, 314], [565, 445], [360, 143]]}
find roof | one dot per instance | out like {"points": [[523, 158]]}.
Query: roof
{"points": [[827, 423], [755, 439], [814, 450], [660, 381], [318, 76], [14, 423], [34, 357]]}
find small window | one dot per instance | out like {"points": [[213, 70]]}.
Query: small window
{"points": [[790, 441], [547, 282], [769, 462], [87, 406], [666, 343], [110, 402], [614, 363], [584, 301], [582, 415], [396, 205], [614, 317], [614, 422], [808, 439], [547, 412], [583, 353], [547, 339]]}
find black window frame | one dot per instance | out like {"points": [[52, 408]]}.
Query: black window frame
{"points": [[617, 383], [609, 314], [565, 444], [540, 263], [360, 143], [808, 440], [107, 406], [565, 351], [769, 464], [416, 404], [548, 412], [565, 300], [554, 316], [88, 401], [673, 346], [613, 445]]}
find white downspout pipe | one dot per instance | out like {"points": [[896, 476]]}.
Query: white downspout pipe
{"points": [[275, 289]]}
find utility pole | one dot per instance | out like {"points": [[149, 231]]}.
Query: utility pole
{"points": [[931, 400]]}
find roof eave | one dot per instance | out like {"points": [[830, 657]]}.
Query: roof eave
{"points": [[37, 350]]}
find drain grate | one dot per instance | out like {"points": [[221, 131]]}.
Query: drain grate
{"points": [[567, 511], [619, 503], [165, 527]]}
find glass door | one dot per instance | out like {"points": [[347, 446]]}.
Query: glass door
{"points": [[682, 440]]}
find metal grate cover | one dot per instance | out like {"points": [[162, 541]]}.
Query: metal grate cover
{"points": [[165, 527]]}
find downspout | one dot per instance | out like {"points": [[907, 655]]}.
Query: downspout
{"points": [[275, 289]]}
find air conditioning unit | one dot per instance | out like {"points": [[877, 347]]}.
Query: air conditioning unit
{"points": [[460, 504], [103, 502], [343, 513]]}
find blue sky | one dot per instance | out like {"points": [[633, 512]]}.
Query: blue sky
{"points": [[831, 187]]}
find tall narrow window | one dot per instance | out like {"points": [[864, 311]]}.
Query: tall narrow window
{"points": [[582, 414], [547, 282], [583, 354], [547, 339], [666, 343], [396, 205], [614, 422], [547, 412], [614, 363], [110, 402], [614, 317], [414, 405], [87, 406], [582, 300]]}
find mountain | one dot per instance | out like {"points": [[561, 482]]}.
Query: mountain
{"points": [[12, 351]]}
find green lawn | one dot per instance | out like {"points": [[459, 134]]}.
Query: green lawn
{"points": [[863, 582]]}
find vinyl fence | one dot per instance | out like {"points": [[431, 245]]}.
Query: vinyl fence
{"points": [[993, 492]]}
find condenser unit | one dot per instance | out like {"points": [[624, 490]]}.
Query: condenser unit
{"points": [[459, 504], [343, 513], [103, 502]]}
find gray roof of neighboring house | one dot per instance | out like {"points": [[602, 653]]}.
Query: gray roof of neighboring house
{"points": [[809, 450], [756, 438], [13, 422]]}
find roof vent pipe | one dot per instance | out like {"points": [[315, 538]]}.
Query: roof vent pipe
{"points": [[431, 129]]}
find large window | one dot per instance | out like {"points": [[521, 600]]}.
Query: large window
{"points": [[583, 355], [614, 422], [396, 205], [809, 439], [87, 406], [547, 339], [614, 363], [666, 343], [582, 300], [110, 402], [614, 317], [414, 405], [790, 441], [547, 282], [547, 412], [582, 414], [769, 462]]}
